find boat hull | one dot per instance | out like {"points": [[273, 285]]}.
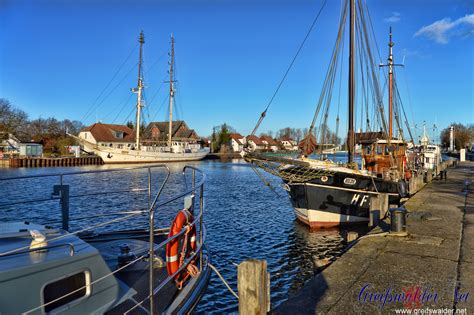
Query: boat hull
{"points": [[138, 156], [320, 205]]}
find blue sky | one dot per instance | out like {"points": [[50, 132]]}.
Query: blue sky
{"points": [[57, 56]]}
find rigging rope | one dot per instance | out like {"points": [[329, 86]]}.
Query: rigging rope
{"points": [[263, 114], [326, 91], [113, 89], [90, 110], [124, 104]]}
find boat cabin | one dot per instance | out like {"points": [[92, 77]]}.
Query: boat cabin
{"points": [[380, 156]]}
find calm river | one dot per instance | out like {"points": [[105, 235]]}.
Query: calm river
{"points": [[244, 219]]}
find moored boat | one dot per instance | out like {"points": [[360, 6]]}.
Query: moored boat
{"points": [[327, 194], [120, 144], [106, 266]]}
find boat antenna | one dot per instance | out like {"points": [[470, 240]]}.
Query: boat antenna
{"points": [[351, 136], [171, 82], [139, 88]]}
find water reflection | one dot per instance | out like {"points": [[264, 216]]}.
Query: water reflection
{"points": [[244, 219]]}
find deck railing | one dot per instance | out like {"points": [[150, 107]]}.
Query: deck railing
{"points": [[61, 193]]}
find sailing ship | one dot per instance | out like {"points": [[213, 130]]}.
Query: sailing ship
{"points": [[328, 194], [120, 144]]}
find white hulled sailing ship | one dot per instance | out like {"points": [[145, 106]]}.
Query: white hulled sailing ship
{"points": [[121, 144]]}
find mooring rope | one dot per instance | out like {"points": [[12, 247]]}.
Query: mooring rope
{"points": [[223, 280]]}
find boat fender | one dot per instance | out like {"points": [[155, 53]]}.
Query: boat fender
{"points": [[174, 259]]}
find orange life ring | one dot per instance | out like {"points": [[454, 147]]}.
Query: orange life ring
{"points": [[175, 259]]}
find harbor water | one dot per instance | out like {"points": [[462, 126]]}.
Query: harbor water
{"points": [[244, 219]]}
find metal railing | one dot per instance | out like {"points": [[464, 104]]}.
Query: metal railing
{"points": [[61, 193]]}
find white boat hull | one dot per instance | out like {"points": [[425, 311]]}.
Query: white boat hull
{"points": [[133, 156], [111, 156], [323, 219]]}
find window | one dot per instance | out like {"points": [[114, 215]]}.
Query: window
{"points": [[110, 145], [85, 135], [58, 288], [120, 146], [368, 149], [386, 151], [378, 149]]}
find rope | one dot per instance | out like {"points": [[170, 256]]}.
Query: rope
{"points": [[264, 181], [292, 173], [89, 111], [262, 116], [223, 280]]}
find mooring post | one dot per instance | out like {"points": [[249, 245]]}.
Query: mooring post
{"points": [[253, 284]]}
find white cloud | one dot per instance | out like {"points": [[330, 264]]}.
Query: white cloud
{"points": [[394, 18], [441, 30]]}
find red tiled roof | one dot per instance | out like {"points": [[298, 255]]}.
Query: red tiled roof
{"points": [[237, 137], [269, 140], [103, 132], [286, 138], [255, 140]]}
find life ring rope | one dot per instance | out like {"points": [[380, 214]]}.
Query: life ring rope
{"points": [[176, 259]]}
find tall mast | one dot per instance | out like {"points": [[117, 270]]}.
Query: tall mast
{"points": [[170, 126], [390, 87], [350, 136], [141, 40]]}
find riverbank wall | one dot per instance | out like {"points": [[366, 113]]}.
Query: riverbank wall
{"points": [[432, 268], [54, 162]]}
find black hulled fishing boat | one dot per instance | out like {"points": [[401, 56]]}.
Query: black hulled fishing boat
{"points": [[325, 193]]}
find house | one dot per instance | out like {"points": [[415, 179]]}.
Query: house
{"points": [[269, 143], [30, 149], [237, 142], [8, 143], [255, 143], [288, 143], [108, 135], [158, 132]]}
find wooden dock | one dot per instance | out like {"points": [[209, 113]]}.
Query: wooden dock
{"points": [[55, 162]]}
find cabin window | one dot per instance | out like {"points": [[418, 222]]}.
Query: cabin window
{"points": [[378, 149], [54, 290], [386, 151], [368, 149]]}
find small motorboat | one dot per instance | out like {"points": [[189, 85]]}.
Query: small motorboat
{"points": [[100, 269]]}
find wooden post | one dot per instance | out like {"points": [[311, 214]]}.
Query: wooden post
{"points": [[378, 208], [253, 284]]}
